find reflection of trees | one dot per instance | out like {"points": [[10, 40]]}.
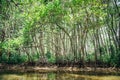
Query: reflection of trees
{"points": [[56, 76]]}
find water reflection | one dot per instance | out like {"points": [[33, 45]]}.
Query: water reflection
{"points": [[55, 76]]}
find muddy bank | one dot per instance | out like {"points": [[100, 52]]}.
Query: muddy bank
{"points": [[52, 68]]}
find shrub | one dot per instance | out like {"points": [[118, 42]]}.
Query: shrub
{"points": [[22, 58], [90, 57], [50, 57], [35, 57], [14, 58], [4, 58]]}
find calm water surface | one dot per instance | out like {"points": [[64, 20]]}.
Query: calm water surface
{"points": [[55, 76]]}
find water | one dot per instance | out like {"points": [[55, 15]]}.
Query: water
{"points": [[55, 76]]}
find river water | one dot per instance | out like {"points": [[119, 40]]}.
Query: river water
{"points": [[56, 76]]}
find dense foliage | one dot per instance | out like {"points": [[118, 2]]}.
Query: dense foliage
{"points": [[60, 31]]}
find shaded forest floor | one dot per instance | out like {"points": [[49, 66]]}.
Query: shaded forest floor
{"points": [[54, 68]]}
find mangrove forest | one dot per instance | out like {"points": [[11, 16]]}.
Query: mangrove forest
{"points": [[72, 33]]}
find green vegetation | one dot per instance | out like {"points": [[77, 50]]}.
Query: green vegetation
{"points": [[60, 31]]}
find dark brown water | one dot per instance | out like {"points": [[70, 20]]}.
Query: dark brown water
{"points": [[55, 76]]}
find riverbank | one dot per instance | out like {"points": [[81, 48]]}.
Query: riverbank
{"points": [[40, 69]]}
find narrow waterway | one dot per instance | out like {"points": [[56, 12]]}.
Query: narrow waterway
{"points": [[56, 76]]}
